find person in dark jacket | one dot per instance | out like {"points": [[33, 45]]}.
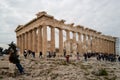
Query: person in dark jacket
{"points": [[85, 56], [13, 58], [40, 54]]}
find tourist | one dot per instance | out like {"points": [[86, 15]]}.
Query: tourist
{"points": [[25, 53], [54, 54], [33, 54], [78, 56], [119, 58], [64, 53], [85, 56], [67, 58], [40, 54], [13, 58]]}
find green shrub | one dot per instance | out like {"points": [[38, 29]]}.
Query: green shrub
{"points": [[102, 72]]}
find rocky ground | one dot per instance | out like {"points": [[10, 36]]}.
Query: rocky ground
{"points": [[58, 69]]}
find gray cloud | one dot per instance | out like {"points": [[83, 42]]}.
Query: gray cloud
{"points": [[102, 16]]}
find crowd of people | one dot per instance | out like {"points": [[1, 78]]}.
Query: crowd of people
{"points": [[49, 54], [102, 56], [27, 53]]}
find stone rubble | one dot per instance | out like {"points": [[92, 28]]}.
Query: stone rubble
{"points": [[58, 69]]}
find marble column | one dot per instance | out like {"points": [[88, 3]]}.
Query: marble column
{"points": [[84, 43], [114, 47], [108, 46], [96, 44], [111, 47], [21, 43], [93, 43], [52, 39], [44, 40], [74, 43], [18, 38], [103, 46], [67, 35], [39, 39], [89, 44], [31, 39], [34, 40], [74, 36], [80, 43], [25, 40], [17, 41], [100, 45], [29, 36], [60, 41]]}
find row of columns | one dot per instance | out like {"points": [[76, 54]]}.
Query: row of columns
{"points": [[36, 40]]}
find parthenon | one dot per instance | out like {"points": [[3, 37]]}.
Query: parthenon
{"points": [[33, 36]]}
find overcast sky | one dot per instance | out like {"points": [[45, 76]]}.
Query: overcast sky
{"points": [[101, 15]]}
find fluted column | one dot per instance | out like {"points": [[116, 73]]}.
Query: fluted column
{"points": [[25, 40], [79, 37], [52, 39], [111, 47], [108, 45], [89, 43], [17, 40], [74, 36], [39, 39], [100, 45], [105, 46], [80, 43], [96, 44], [114, 46], [74, 43], [84, 43], [21, 43], [93, 43], [29, 40], [44, 40], [60, 41], [34, 40], [68, 35]]}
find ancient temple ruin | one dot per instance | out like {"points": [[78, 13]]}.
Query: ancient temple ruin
{"points": [[33, 36]]}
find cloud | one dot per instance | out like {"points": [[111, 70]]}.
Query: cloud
{"points": [[102, 16]]}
